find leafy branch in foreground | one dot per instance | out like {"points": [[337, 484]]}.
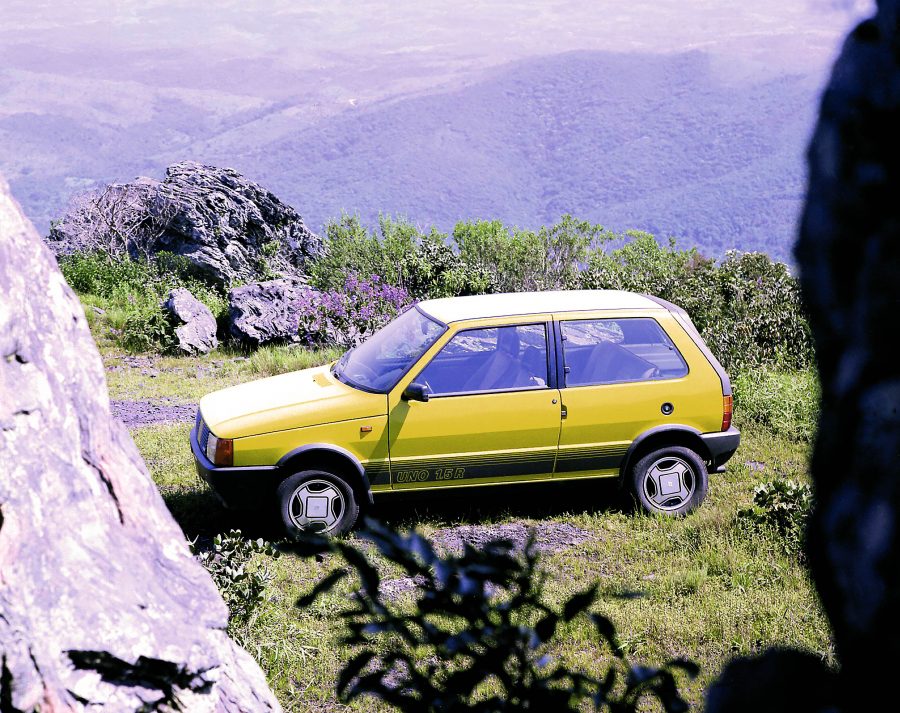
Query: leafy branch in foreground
{"points": [[478, 636]]}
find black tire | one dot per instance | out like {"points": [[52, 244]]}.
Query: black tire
{"points": [[333, 500], [654, 477]]}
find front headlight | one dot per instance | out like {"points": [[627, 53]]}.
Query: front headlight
{"points": [[220, 450]]}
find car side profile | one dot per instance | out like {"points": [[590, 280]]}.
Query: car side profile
{"points": [[484, 390]]}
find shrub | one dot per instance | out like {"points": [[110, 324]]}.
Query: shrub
{"points": [[784, 506], [99, 274], [424, 265], [785, 402], [241, 584], [519, 260], [433, 269], [347, 316], [748, 308], [149, 329], [479, 634], [137, 287]]}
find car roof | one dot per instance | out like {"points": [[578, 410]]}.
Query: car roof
{"points": [[509, 304]]}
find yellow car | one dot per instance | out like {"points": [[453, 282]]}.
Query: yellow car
{"points": [[482, 390]]}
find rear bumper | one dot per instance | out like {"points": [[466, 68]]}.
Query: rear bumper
{"points": [[239, 487], [721, 446]]}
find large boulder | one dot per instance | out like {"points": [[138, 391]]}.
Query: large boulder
{"points": [[849, 257], [229, 228], [101, 602], [196, 330], [264, 312]]}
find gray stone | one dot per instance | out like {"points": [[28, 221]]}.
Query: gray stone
{"points": [[196, 330], [264, 312], [231, 229], [101, 602]]}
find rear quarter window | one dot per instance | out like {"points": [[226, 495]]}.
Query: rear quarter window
{"points": [[608, 351]]}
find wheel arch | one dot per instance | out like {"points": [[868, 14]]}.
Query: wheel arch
{"points": [[660, 437], [331, 458]]}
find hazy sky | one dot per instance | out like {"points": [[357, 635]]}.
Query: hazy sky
{"points": [[436, 37]]}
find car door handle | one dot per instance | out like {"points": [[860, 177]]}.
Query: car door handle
{"points": [[564, 412]]}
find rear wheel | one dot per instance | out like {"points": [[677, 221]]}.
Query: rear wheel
{"points": [[669, 481], [317, 501]]}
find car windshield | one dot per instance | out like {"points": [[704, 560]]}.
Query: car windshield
{"points": [[378, 363]]}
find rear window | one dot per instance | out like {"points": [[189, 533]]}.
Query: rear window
{"points": [[609, 351]]}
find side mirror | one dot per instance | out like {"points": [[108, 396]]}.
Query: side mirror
{"points": [[415, 392]]}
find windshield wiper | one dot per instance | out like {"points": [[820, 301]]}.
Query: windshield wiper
{"points": [[338, 368]]}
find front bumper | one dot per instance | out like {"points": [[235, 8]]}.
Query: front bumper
{"points": [[239, 487], [721, 446]]}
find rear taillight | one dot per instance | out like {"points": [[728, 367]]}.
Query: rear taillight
{"points": [[727, 407]]}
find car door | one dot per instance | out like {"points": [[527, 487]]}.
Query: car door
{"points": [[617, 374], [492, 414]]}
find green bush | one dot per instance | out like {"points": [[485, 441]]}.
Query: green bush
{"points": [[104, 276], [479, 635], [748, 308], [241, 583], [136, 288], [785, 402], [521, 260], [433, 269], [148, 329], [424, 265], [784, 506]]}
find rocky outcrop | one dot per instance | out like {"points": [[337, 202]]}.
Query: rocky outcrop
{"points": [[849, 256], [101, 602], [230, 228], [265, 312], [195, 324]]}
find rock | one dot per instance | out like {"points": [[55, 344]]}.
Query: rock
{"points": [[265, 312], [101, 602], [228, 227], [849, 257], [196, 332]]}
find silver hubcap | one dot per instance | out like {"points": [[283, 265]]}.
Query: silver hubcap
{"points": [[317, 505], [669, 483]]}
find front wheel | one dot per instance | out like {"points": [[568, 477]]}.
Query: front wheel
{"points": [[317, 501], [669, 481]]}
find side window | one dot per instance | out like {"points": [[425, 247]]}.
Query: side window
{"points": [[490, 359], [607, 351]]}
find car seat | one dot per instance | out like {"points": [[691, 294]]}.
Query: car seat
{"points": [[503, 369]]}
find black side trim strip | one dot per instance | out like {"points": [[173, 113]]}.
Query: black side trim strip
{"points": [[589, 462], [378, 472], [451, 470]]}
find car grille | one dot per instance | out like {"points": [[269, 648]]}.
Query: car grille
{"points": [[202, 435]]}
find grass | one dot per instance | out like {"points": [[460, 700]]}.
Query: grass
{"points": [[185, 380], [712, 588]]}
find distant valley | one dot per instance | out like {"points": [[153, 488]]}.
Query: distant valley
{"points": [[686, 132]]}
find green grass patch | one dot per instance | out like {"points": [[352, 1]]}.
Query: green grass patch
{"points": [[712, 588], [787, 402], [186, 379]]}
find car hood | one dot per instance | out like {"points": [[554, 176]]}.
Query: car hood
{"points": [[278, 403]]}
